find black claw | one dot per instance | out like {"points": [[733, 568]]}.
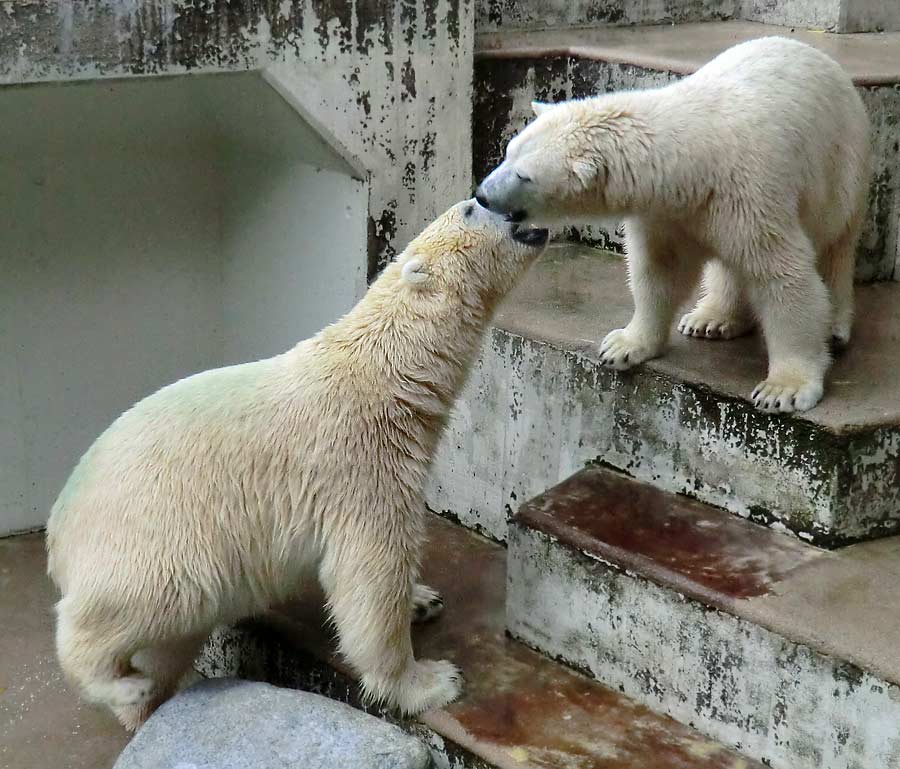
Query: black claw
{"points": [[625, 359], [436, 602], [778, 404]]}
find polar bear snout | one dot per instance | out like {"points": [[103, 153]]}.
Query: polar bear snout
{"points": [[501, 192]]}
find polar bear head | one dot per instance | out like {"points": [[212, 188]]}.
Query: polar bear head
{"points": [[471, 252], [558, 168]]}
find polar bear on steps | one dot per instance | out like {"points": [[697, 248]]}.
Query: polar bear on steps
{"points": [[753, 171]]}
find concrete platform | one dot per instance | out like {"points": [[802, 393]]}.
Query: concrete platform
{"points": [[784, 651], [539, 406], [520, 710], [514, 67], [42, 722]]}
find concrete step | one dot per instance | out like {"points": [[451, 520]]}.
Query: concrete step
{"points": [[779, 649], [514, 67], [539, 406], [519, 710]]}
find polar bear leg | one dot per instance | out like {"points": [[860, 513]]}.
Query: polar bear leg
{"points": [[838, 267], [661, 279], [723, 311], [98, 659], [370, 597], [795, 313], [166, 664]]}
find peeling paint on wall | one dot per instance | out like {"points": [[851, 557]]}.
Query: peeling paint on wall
{"points": [[549, 14], [391, 79]]}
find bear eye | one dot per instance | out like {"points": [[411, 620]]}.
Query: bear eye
{"points": [[468, 210], [522, 177]]}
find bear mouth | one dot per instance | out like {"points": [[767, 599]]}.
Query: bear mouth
{"points": [[530, 236]]}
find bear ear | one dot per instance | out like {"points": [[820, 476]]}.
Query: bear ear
{"points": [[584, 171], [415, 272], [539, 107]]}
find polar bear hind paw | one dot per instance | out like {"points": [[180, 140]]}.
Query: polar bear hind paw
{"points": [[706, 323], [620, 350], [427, 603], [785, 395], [430, 685]]}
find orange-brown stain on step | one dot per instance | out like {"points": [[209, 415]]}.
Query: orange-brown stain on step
{"points": [[572, 723], [664, 536]]}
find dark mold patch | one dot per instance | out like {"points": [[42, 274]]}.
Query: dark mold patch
{"points": [[382, 232], [408, 81]]}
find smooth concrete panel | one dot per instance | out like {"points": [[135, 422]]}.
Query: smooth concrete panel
{"points": [[150, 229]]}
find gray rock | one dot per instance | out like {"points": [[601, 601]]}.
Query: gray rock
{"points": [[229, 724]]}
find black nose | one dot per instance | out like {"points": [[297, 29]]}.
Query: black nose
{"points": [[481, 199]]}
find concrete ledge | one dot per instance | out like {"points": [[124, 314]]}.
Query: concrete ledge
{"points": [[539, 406], [870, 58], [779, 649], [519, 710]]}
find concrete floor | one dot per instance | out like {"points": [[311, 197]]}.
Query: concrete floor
{"points": [[42, 723]]}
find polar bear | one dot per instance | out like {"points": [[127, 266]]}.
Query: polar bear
{"points": [[754, 170], [215, 497]]}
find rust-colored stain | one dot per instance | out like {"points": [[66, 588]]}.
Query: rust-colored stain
{"points": [[701, 550], [521, 709]]}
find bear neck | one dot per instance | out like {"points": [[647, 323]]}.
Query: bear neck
{"points": [[410, 363], [644, 150]]}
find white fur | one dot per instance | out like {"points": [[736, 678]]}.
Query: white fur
{"points": [[215, 497], [753, 171]]}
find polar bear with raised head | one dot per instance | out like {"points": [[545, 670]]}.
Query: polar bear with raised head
{"points": [[753, 171], [217, 496]]}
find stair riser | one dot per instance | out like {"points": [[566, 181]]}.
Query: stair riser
{"points": [[533, 414], [739, 683], [491, 15], [505, 87]]}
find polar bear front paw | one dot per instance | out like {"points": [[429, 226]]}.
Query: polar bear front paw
{"points": [[431, 684], [787, 394], [621, 350], [427, 603], [707, 323]]}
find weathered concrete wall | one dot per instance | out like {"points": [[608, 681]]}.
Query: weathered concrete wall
{"points": [[829, 15], [812, 14], [505, 87], [870, 15], [491, 15], [733, 680], [388, 81]]}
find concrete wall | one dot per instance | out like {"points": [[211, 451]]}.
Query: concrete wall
{"points": [[829, 15], [156, 283], [151, 231], [388, 82], [492, 15]]}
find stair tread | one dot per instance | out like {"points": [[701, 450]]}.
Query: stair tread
{"points": [[519, 708], [841, 603], [869, 58], [575, 294]]}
